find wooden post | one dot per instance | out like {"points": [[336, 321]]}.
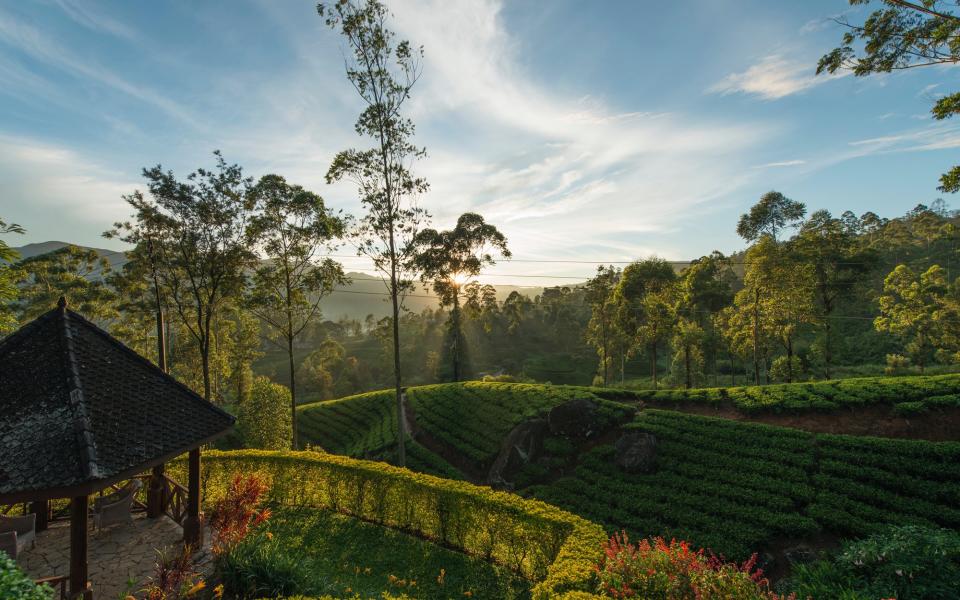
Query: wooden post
{"points": [[192, 527], [41, 508], [79, 586], [155, 499]]}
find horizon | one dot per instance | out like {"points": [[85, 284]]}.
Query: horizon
{"points": [[534, 116]]}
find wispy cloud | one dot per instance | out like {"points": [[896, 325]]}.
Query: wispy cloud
{"points": [[97, 21], [22, 37], [772, 78], [782, 163]]}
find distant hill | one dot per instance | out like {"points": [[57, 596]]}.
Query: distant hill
{"points": [[364, 296]]}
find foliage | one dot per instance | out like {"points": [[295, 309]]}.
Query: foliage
{"points": [[383, 72], [305, 551], [905, 562], [196, 232], [8, 278], [15, 584], [292, 227], [773, 213], [902, 35], [786, 368], [542, 542], [264, 418], [237, 512], [732, 486], [73, 272], [819, 396], [911, 308], [174, 576], [448, 259], [657, 569], [357, 426]]}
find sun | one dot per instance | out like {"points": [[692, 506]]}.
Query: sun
{"points": [[460, 279]]}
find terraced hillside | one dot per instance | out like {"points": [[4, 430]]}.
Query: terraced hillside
{"points": [[735, 486]]}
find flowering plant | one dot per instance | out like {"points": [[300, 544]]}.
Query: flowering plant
{"points": [[238, 512], [673, 571]]}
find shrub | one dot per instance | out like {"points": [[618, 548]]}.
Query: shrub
{"points": [[660, 570], [237, 512], [907, 409], [896, 364], [784, 369], [15, 584], [903, 562], [265, 419], [174, 576]]}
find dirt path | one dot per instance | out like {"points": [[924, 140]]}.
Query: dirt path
{"points": [[473, 473], [877, 420]]}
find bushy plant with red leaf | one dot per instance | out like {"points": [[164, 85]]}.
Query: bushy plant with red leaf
{"points": [[654, 568], [174, 577], [238, 512]]}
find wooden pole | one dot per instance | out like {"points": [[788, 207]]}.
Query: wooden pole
{"points": [[79, 586], [155, 499], [41, 508], [192, 527]]}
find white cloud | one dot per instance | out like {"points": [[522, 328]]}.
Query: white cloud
{"points": [[772, 78], [782, 163], [84, 15], [56, 181]]}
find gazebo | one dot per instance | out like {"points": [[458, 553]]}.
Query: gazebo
{"points": [[80, 412]]}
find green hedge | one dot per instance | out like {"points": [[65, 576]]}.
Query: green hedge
{"points": [[545, 544], [915, 392]]}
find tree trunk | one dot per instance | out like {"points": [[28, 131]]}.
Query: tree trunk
{"points": [[653, 363], [455, 322], [603, 336], [397, 377], [686, 360], [293, 393], [789, 359], [756, 337], [205, 365]]}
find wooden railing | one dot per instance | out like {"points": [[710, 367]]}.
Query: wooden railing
{"points": [[58, 581], [174, 500]]}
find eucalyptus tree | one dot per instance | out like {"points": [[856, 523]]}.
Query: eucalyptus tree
{"points": [[601, 331], [77, 273], [197, 232], [383, 72], [911, 308], [645, 306], [292, 228], [450, 259], [770, 215], [903, 35], [8, 278]]}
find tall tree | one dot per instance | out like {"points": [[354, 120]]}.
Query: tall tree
{"points": [[449, 260], [75, 272], [383, 72], [770, 216], [197, 228], [829, 246], [601, 330], [9, 276], [910, 309], [903, 35], [291, 227], [644, 306]]}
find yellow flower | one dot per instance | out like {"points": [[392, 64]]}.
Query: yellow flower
{"points": [[269, 535], [392, 578], [468, 593], [196, 587], [413, 582], [367, 570], [218, 591], [348, 591], [441, 576]]}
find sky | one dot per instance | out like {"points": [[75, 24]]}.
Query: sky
{"points": [[585, 131]]}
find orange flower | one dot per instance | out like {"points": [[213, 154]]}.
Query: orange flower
{"points": [[196, 587], [218, 591]]}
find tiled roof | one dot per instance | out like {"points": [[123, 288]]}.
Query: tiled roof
{"points": [[77, 407]]}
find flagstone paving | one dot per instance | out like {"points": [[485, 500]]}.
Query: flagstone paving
{"points": [[121, 558]]}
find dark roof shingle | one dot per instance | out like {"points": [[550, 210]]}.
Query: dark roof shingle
{"points": [[78, 407]]}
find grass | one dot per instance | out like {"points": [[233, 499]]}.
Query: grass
{"points": [[314, 552]]}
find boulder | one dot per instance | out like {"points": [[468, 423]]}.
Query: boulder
{"points": [[523, 445], [575, 419], [636, 452]]}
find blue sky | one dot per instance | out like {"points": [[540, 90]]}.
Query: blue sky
{"points": [[594, 131]]}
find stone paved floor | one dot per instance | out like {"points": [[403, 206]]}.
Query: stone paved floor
{"points": [[117, 555]]}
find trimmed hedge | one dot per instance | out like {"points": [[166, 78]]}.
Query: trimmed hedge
{"points": [[917, 392], [545, 544]]}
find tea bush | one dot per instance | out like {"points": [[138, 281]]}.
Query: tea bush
{"points": [[904, 562], [930, 390], [15, 584]]}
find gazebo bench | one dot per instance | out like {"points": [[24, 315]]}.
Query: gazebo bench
{"points": [[16, 533]]}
